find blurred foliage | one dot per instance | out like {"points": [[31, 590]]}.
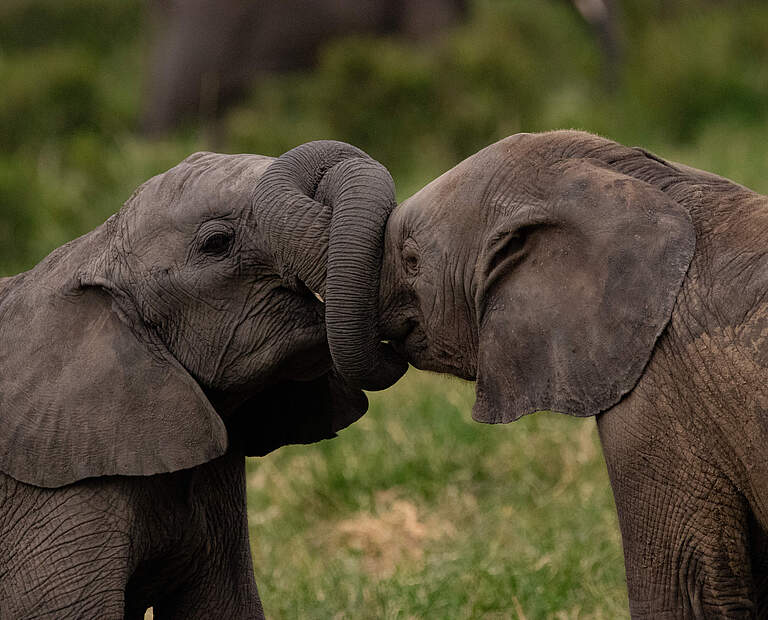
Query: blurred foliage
{"points": [[694, 85]]}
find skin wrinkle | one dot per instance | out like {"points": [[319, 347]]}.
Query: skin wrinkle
{"points": [[88, 579], [271, 351], [54, 549], [303, 204], [59, 532], [685, 442], [469, 295], [7, 530], [358, 353], [435, 340], [299, 190], [651, 528], [218, 365], [452, 351]]}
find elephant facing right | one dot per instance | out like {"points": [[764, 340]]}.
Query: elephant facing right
{"points": [[566, 272]]}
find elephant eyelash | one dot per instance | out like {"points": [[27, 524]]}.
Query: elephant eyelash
{"points": [[216, 243], [410, 258], [411, 263]]}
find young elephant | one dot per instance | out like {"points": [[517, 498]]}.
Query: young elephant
{"points": [[127, 354], [566, 272]]}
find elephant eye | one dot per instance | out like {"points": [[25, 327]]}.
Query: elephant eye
{"points": [[410, 258], [216, 242]]}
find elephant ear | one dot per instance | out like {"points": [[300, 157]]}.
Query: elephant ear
{"points": [[577, 293], [83, 393], [296, 412]]}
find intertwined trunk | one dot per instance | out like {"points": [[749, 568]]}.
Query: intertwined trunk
{"points": [[323, 207]]}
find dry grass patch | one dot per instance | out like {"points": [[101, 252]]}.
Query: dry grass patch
{"points": [[392, 534]]}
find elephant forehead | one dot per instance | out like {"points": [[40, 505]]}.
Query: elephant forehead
{"points": [[203, 186], [464, 200], [496, 180], [499, 178]]}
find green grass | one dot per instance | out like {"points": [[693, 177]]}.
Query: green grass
{"points": [[417, 511]]}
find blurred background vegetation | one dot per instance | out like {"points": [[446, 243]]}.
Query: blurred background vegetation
{"points": [[415, 511]]}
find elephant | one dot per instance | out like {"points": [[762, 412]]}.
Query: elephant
{"points": [[141, 362], [563, 271], [204, 53]]}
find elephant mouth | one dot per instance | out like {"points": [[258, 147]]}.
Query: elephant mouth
{"points": [[409, 342], [413, 345]]}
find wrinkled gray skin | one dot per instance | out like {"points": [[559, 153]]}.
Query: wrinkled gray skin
{"points": [[140, 363], [564, 271]]}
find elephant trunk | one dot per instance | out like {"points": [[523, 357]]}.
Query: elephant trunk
{"points": [[323, 209]]}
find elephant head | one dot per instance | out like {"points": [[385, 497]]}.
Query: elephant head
{"points": [[544, 267], [132, 349]]}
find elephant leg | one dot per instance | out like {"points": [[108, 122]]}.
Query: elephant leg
{"points": [[685, 526], [688, 559], [61, 605], [64, 574], [213, 596], [64, 553], [220, 583], [214, 568], [69, 597]]}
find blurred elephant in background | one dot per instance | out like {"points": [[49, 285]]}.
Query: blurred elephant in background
{"points": [[566, 272], [140, 363], [205, 53]]}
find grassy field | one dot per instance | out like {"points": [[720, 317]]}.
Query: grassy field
{"points": [[416, 511]]}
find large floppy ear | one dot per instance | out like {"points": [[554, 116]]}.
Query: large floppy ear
{"points": [[296, 412], [84, 391], [578, 287]]}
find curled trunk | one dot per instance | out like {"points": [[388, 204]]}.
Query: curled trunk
{"points": [[323, 209]]}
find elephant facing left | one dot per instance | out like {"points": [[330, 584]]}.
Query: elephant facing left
{"points": [[140, 363]]}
